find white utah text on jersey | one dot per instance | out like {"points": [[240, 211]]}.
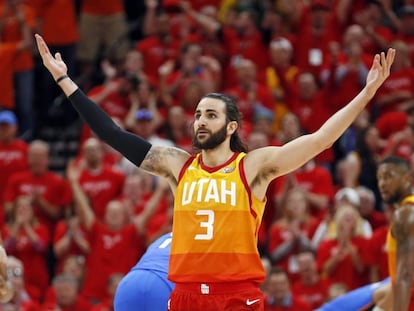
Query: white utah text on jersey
{"points": [[206, 190]]}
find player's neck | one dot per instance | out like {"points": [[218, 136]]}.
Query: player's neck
{"points": [[217, 156]]}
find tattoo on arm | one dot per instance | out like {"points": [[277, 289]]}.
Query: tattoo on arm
{"points": [[157, 161]]}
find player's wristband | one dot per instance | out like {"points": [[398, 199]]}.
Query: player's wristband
{"points": [[62, 78]]}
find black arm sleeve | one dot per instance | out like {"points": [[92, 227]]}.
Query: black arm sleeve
{"points": [[131, 146]]}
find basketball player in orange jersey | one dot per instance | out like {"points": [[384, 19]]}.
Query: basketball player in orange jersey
{"points": [[219, 192], [395, 183]]}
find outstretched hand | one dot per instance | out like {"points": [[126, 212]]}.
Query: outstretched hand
{"points": [[54, 64], [380, 69]]}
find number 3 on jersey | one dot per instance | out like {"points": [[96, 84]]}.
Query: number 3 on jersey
{"points": [[208, 235]]}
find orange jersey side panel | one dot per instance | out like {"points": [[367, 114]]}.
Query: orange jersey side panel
{"points": [[216, 221], [391, 245]]}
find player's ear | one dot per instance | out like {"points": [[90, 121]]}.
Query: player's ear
{"points": [[232, 127]]}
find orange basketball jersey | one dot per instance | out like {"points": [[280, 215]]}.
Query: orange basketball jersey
{"points": [[216, 221], [391, 245]]}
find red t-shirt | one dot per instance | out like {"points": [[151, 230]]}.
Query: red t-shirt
{"points": [[345, 271], [52, 187], [315, 295], [13, 159], [377, 253], [32, 255], [55, 29], [111, 252], [74, 249], [297, 304], [114, 104], [102, 187], [156, 52], [279, 233]]}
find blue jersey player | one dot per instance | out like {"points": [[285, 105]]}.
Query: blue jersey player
{"points": [[357, 300], [146, 287]]}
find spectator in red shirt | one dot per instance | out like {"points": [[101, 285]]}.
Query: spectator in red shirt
{"points": [[28, 239], [112, 284], [315, 181], [49, 192], [66, 295], [252, 96], [398, 91], [279, 295], [310, 286], [317, 28], [377, 35], [405, 28], [342, 259], [13, 153], [158, 45], [192, 64], [21, 300], [100, 182], [291, 234], [281, 76], [367, 209], [114, 96], [108, 239], [70, 239]]}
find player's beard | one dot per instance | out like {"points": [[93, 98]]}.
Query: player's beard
{"points": [[213, 141], [395, 198]]}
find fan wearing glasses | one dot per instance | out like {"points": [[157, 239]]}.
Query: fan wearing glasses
{"points": [[6, 289]]}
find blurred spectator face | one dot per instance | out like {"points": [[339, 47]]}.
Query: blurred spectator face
{"points": [[176, 117], [256, 140], [66, 291], [15, 273], [367, 199], [246, 71], [115, 215], [280, 51], [92, 152], [243, 22], [24, 209], [354, 33], [346, 218], [307, 85], [190, 58], [296, 204], [306, 263], [290, 127], [133, 187], [163, 25], [38, 157], [133, 61], [278, 286], [372, 139], [8, 126], [144, 92], [192, 95], [113, 283], [75, 266]]}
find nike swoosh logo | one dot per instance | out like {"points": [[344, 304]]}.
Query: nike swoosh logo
{"points": [[250, 302]]}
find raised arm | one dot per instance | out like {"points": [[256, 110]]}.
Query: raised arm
{"points": [[160, 161], [276, 161], [403, 230], [83, 209]]}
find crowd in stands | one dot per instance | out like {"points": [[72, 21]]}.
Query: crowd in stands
{"points": [[289, 65]]}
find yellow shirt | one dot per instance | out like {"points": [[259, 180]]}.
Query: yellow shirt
{"points": [[391, 245], [216, 223]]}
